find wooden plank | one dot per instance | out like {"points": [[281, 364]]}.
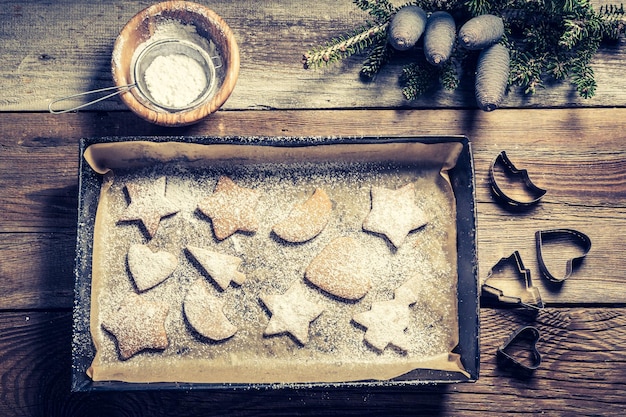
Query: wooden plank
{"points": [[582, 373], [37, 270], [577, 154], [69, 48]]}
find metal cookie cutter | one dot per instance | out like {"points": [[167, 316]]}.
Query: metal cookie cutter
{"points": [[570, 235], [530, 298], [527, 336], [502, 161]]}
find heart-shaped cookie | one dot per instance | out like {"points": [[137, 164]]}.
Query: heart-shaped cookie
{"points": [[520, 352], [340, 269], [148, 269]]}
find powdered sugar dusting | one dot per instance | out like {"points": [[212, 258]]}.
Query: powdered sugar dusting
{"points": [[271, 265]]}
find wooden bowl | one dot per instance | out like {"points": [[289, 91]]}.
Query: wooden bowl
{"points": [[139, 32]]}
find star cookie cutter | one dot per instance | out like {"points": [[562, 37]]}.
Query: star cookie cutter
{"points": [[524, 338], [503, 162], [529, 299], [570, 235]]}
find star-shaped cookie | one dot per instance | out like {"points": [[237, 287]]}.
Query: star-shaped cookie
{"points": [[394, 213], [222, 268], [148, 205], [386, 323], [231, 208], [291, 313], [137, 324]]}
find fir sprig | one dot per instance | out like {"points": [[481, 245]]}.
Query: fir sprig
{"points": [[380, 10], [416, 79], [345, 46], [378, 56], [547, 39]]}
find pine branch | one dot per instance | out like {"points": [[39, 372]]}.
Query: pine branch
{"points": [[344, 46], [450, 74], [378, 56], [381, 10], [526, 71], [613, 20], [583, 79], [417, 78], [478, 7], [554, 39]]}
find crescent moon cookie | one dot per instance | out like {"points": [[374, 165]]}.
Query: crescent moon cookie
{"points": [[222, 268], [148, 205], [291, 313], [306, 220], [148, 269], [394, 213], [341, 269], [231, 208], [137, 324], [204, 313]]}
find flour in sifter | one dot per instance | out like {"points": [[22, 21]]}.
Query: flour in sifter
{"points": [[175, 80]]}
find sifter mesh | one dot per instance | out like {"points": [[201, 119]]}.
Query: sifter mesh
{"points": [[171, 47]]}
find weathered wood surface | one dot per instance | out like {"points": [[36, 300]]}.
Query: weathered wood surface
{"points": [[577, 154], [582, 373], [54, 49], [572, 147]]}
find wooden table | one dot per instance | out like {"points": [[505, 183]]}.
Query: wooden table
{"points": [[574, 148]]}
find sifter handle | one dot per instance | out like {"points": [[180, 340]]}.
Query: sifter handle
{"points": [[119, 90]]}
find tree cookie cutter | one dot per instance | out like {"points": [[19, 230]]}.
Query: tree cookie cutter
{"points": [[530, 298], [503, 162], [579, 238], [529, 336]]}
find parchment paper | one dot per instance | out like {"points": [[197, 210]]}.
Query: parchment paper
{"points": [[336, 351]]}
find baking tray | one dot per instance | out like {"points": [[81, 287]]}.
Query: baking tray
{"points": [[461, 179]]}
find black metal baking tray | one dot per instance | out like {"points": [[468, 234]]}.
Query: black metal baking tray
{"points": [[461, 179]]}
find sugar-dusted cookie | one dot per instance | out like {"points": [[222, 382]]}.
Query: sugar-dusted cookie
{"points": [[386, 323], [231, 208], [410, 291], [148, 205], [137, 324], [148, 269], [203, 311], [291, 313], [340, 269], [222, 268], [306, 220], [394, 213]]}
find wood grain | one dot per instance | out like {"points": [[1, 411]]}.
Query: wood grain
{"points": [[577, 154], [580, 348], [68, 51], [572, 147]]}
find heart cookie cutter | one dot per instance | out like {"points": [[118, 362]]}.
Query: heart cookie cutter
{"points": [[525, 335], [531, 297], [578, 238], [503, 162]]}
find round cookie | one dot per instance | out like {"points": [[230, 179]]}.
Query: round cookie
{"points": [[339, 269]]}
